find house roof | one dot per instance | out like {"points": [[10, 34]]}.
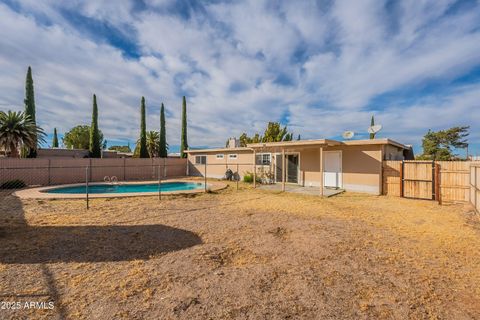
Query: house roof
{"points": [[218, 150], [305, 143], [375, 141], [295, 143], [327, 142]]}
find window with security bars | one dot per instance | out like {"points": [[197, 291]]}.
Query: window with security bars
{"points": [[263, 159], [200, 159]]}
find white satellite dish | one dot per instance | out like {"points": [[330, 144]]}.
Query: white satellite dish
{"points": [[374, 129], [348, 135]]}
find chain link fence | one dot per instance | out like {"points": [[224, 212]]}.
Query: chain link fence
{"points": [[265, 174], [17, 174]]}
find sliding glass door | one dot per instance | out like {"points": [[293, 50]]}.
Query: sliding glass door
{"points": [[291, 170]]}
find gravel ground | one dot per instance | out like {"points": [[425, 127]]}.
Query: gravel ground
{"points": [[246, 254]]}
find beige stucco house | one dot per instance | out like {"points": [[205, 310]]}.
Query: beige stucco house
{"points": [[354, 165]]}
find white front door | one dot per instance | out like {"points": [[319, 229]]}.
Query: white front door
{"points": [[332, 172]]}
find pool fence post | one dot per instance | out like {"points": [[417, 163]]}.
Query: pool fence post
{"points": [[205, 175], [49, 174], [284, 169], [86, 185], [159, 184], [165, 168], [90, 168], [124, 169], [237, 177], [254, 168]]}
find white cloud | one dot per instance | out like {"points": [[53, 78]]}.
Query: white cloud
{"points": [[245, 63], [402, 123]]}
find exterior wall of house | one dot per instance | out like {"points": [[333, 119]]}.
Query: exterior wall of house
{"points": [[216, 167], [362, 168], [361, 165]]}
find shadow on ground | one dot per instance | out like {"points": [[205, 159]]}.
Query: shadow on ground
{"points": [[41, 245], [91, 243], [22, 243]]}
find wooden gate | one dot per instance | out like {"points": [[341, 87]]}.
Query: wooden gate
{"points": [[419, 180], [451, 180]]}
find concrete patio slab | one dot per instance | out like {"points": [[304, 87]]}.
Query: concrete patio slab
{"points": [[314, 191]]}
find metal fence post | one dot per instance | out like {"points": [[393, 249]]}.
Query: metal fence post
{"points": [[49, 165], [254, 169], [165, 168], [86, 186], [159, 184], [205, 175], [153, 169], [475, 189], [124, 169], [90, 168]]}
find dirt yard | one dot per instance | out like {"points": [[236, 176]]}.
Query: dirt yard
{"points": [[245, 254]]}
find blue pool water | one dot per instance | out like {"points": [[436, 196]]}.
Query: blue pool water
{"points": [[129, 188]]}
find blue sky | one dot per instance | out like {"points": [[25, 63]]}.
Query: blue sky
{"points": [[321, 67]]}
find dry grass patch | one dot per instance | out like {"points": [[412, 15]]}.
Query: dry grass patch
{"points": [[241, 254]]}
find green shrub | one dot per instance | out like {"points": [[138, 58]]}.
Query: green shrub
{"points": [[248, 177], [13, 184]]}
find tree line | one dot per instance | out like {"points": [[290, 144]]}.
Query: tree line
{"points": [[20, 135], [440, 145], [273, 133]]}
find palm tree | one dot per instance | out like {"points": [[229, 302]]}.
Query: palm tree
{"points": [[153, 144], [17, 130]]}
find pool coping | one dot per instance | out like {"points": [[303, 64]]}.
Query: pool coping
{"points": [[39, 192]]}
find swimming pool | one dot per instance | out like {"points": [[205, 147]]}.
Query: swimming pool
{"points": [[127, 188]]}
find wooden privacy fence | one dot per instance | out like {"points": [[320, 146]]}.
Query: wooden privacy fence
{"points": [[444, 181], [475, 186]]}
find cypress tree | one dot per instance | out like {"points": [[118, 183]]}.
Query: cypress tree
{"points": [[143, 152], [372, 123], [55, 138], [30, 108], [183, 142], [163, 137], [95, 148]]}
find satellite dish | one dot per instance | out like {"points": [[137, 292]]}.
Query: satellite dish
{"points": [[374, 129], [348, 135]]}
